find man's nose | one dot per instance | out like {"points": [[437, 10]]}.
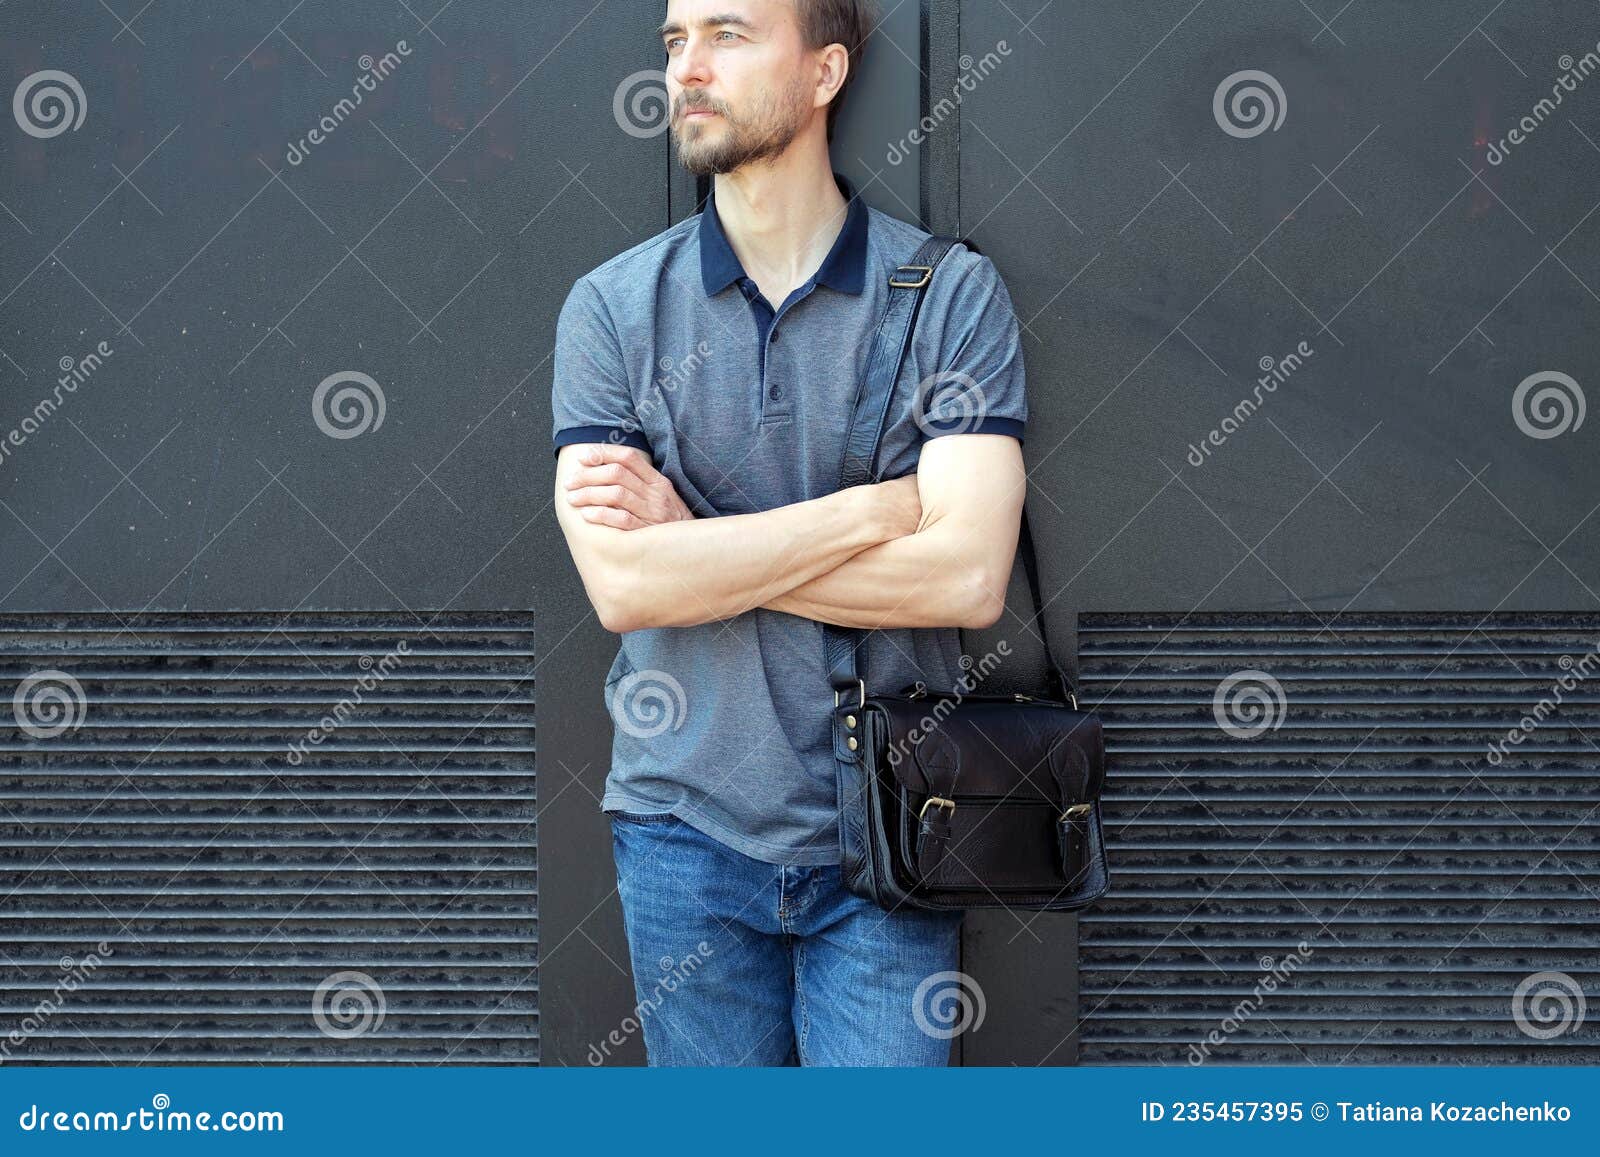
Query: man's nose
{"points": [[691, 68]]}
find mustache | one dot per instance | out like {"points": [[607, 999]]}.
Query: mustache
{"points": [[688, 104]]}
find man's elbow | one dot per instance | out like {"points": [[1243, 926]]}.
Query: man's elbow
{"points": [[983, 599], [617, 615], [616, 594]]}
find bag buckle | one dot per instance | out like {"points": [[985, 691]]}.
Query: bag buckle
{"points": [[936, 801], [920, 283], [861, 688], [1077, 811]]}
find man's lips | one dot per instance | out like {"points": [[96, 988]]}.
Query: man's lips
{"points": [[698, 113]]}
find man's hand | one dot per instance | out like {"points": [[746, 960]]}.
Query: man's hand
{"points": [[903, 502], [680, 571], [619, 486]]}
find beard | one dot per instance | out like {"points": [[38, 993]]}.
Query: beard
{"points": [[765, 130]]}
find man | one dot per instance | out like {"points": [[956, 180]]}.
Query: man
{"points": [[703, 382]]}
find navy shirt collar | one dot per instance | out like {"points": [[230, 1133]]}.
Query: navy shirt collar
{"points": [[844, 268]]}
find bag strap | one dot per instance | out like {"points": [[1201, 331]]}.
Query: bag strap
{"points": [[861, 466]]}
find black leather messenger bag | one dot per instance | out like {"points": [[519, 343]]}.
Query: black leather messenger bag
{"points": [[957, 798]]}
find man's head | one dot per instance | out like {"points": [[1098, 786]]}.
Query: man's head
{"points": [[745, 78]]}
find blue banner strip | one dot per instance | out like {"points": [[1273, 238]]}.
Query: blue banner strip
{"points": [[959, 1111]]}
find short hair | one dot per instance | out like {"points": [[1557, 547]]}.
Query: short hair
{"points": [[846, 22]]}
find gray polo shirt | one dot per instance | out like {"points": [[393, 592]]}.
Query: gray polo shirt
{"points": [[671, 348]]}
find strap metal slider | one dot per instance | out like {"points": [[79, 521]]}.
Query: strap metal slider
{"points": [[921, 282], [936, 801], [861, 688], [1077, 811]]}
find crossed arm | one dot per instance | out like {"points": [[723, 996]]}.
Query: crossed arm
{"points": [[930, 550]]}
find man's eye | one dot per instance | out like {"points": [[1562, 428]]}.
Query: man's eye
{"points": [[725, 32], [674, 42]]}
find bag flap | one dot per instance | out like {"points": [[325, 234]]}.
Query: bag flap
{"points": [[1001, 748]]}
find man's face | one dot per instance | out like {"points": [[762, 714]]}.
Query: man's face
{"points": [[741, 86]]}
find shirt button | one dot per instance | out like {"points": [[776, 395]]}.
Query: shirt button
{"points": [[775, 393]]}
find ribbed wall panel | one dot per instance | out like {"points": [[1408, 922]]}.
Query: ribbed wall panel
{"points": [[229, 882], [1368, 822]]}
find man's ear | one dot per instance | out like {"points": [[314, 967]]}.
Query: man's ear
{"points": [[833, 69]]}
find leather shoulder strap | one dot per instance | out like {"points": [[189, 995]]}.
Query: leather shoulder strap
{"points": [[889, 345], [868, 417], [870, 412]]}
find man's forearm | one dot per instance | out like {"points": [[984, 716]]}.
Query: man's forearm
{"points": [[681, 574], [927, 579]]}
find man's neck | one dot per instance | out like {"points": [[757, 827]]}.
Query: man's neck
{"points": [[781, 218]]}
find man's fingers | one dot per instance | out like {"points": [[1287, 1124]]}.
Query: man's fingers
{"points": [[605, 454], [610, 474], [610, 516], [618, 497]]}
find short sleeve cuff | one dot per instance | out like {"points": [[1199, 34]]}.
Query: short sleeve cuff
{"points": [[989, 425], [614, 435]]}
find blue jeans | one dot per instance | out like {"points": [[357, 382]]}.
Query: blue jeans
{"points": [[741, 962]]}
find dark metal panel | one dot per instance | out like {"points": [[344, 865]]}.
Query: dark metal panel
{"points": [[1021, 963], [1275, 781], [467, 192], [206, 819], [1158, 264], [1158, 260]]}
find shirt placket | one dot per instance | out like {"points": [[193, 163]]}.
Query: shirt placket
{"points": [[777, 392]]}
